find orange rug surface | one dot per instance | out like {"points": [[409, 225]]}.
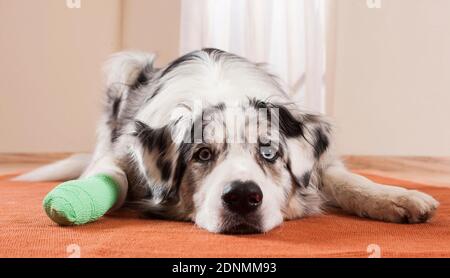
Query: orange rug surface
{"points": [[25, 231]]}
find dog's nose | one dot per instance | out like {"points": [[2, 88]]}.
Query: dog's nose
{"points": [[242, 197]]}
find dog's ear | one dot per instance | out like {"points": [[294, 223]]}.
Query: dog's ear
{"points": [[308, 150], [314, 129], [159, 160], [307, 139]]}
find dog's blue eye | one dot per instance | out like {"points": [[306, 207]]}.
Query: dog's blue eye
{"points": [[268, 153]]}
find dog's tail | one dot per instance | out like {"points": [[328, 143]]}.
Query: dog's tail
{"points": [[63, 170], [127, 67], [122, 70]]}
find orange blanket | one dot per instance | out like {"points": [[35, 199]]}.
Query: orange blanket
{"points": [[25, 231]]}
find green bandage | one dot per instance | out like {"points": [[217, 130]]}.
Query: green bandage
{"points": [[81, 201]]}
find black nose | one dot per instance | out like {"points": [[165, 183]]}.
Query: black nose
{"points": [[242, 197]]}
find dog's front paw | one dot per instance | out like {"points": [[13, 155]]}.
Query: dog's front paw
{"points": [[411, 206]]}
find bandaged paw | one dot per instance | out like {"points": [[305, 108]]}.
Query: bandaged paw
{"points": [[81, 201]]}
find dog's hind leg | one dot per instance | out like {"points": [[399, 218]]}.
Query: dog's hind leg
{"points": [[358, 195]]}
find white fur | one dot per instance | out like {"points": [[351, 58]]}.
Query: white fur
{"points": [[66, 169], [124, 67]]}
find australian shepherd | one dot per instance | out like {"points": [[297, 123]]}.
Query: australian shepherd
{"points": [[214, 139]]}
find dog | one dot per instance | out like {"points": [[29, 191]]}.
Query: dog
{"points": [[215, 139]]}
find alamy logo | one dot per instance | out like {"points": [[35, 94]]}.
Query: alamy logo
{"points": [[73, 4], [374, 4], [74, 251], [374, 251], [193, 124]]}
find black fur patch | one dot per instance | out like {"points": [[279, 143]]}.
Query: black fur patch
{"points": [[183, 153], [183, 59], [116, 107], [217, 54], [305, 179], [211, 51], [114, 101], [141, 80], [115, 134], [289, 126], [220, 106], [153, 139], [165, 167], [114, 120], [257, 103], [158, 140], [321, 142]]}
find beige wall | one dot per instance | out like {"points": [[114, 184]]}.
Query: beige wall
{"points": [[154, 26], [51, 58], [389, 73], [392, 77]]}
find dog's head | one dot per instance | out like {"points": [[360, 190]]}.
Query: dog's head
{"points": [[231, 167]]}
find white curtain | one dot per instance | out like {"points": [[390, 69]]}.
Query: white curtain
{"points": [[288, 35]]}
